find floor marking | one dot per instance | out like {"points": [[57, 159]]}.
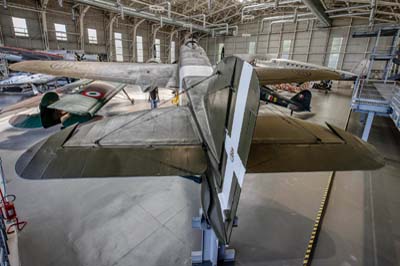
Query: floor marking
{"points": [[234, 164], [321, 213], [317, 223], [371, 202]]}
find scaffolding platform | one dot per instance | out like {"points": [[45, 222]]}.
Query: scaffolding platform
{"points": [[377, 96], [373, 96]]}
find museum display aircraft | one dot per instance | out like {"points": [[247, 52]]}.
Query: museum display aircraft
{"points": [[300, 102], [217, 136], [14, 54], [323, 85], [25, 82]]}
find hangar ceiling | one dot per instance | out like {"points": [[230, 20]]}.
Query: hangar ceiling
{"points": [[223, 16], [234, 12]]}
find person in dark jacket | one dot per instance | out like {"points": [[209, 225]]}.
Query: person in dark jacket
{"points": [[154, 98]]}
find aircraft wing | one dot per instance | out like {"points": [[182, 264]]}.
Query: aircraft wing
{"points": [[164, 141], [280, 70], [277, 75], [161, 75], [90, 100]]}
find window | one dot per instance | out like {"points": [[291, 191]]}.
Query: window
{"points": [[221, 52], [157, 47], [61, 32], [118, 47], [92, 36], [172, 52], [335, 52], [286, 49], [252, 47], [139, 49], [20, 28]]}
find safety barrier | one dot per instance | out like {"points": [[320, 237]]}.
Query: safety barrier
{"points": [[395, 104]]}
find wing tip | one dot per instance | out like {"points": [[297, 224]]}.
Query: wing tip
{"points": [[371, 153]]}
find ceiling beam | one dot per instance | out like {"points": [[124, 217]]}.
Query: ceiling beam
{"points": [[318, 10], [129, 11]]}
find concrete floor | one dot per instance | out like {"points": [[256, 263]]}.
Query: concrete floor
{"points": [[147, 221]]}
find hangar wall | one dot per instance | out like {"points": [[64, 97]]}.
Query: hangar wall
{"points": [[94, 18], [309, 42]]}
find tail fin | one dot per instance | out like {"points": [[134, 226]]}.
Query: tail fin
{"points": [[49, 117], [227, 117], [303, 98]]}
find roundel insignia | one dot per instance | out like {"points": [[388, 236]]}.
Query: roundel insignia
{"points": [[97, 90], [93, 94]]}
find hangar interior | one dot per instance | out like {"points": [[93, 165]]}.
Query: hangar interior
{"points": [[284, 218]]}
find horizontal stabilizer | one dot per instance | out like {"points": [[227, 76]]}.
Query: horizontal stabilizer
{"points": [[127, 148], [161, 142], [89, 100], [286, 144], [75, 104]]}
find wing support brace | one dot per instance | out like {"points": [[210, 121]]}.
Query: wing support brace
{"points": [[127, 96]]}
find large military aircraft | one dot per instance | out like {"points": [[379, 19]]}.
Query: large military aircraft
{"points": [[217, 135]]}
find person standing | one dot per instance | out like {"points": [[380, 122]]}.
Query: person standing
{"points": [[154, 98]]}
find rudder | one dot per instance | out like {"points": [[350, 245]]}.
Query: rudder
{"points": [[48, 116], [303, 98]]}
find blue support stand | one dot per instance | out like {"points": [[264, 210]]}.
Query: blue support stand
{"points": [[211, 251], [368, 125]]}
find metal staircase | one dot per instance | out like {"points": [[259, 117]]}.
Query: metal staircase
{"points": [[372, 96]]}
